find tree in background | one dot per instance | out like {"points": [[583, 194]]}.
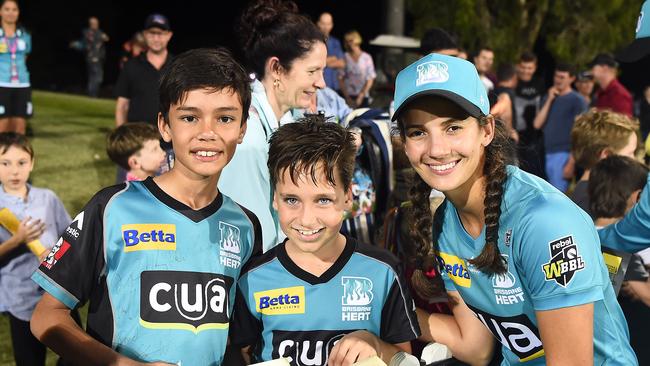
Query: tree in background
{"points": [[574, 30]]}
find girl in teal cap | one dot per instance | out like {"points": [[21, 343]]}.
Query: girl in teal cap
{"points": [[519, 261]]}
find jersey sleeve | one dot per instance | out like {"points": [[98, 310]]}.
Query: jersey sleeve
{"points": [[122, 86], [632, 233], [245, 328], [74, 265], [558, 254], [398, 319]]}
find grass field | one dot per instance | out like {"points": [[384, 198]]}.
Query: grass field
{"points": [[69, 133]]}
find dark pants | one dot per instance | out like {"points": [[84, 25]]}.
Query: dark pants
{"points": [[95, 76], [28, 351]]}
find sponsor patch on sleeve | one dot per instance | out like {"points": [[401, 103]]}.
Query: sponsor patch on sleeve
{"points": [[565, 261]]}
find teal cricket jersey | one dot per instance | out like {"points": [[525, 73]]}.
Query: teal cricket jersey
{"points": [[554, 261], [160, 277], [283, 311]]}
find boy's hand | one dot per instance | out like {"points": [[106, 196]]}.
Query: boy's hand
{"points": [[29, 230], [355, 346]]}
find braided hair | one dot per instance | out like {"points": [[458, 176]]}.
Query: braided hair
{"points": [[426, 227]]}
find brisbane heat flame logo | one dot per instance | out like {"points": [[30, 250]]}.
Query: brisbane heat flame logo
{"points": [[357, 291]]}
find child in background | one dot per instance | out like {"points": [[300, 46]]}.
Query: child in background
{"points": [[615, 186], [42, 217], [135, 147], [340, 300]]}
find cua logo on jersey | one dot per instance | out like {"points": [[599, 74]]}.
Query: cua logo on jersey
{"points": [[517, 333], [58, 250], [149, 237], [455, 268], [280, 301], [305, 348], [193, 301], [565, 261], [229, 245]]}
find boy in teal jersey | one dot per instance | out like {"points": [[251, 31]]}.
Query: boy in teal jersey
{"points": [[520, 262], [320, 298], [158, 259]]}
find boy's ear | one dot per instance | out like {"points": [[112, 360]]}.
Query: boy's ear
{"points": [[604, 153], [348, 198], [133, 162], [164, 128], [275, 201], [242, 131]]}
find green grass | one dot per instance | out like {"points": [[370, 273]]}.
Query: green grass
{"points": [[69, 144]]}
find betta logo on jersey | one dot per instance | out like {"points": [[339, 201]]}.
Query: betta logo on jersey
{"points": [[59, 249], [455, 268], [303, 348], [193, 301], [565, 261], [280, 301], [149, 237]]}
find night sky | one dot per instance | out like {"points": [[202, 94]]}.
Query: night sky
{"points": [[54, 24], [195, 23]]}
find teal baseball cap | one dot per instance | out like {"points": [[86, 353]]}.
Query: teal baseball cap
{"points": [[445, 76], [641, 45]]}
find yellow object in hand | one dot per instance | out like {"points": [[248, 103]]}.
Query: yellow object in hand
{"points": [[10, 222]]}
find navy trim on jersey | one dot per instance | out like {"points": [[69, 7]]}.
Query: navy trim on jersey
{"points": [[338, 265], [183, 209]]}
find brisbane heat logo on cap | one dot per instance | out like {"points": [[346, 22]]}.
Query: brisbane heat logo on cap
{"points": [[432, 72]]}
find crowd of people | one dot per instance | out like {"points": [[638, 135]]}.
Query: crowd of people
{"points": [[260, 208]]}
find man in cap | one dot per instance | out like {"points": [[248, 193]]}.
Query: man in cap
{"points": [[611, 94], [137, 85]]}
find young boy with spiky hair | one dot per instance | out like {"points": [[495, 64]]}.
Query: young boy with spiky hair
{"points": [[320, 297], [158, 260]]}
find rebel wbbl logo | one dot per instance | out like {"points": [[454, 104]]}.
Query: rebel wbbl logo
{"points": [[184, 300], [565, 261]]}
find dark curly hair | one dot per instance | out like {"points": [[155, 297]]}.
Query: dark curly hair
{"points": [[274, 28], [425, 228]]}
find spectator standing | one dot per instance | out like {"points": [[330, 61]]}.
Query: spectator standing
{"points": [[504, 108], [483, 62], [528, 94], [92, 44], [137, 85], [585, 86], [559, 109], [611, 93], [335, 56], [287, 53], [359, 73], [437, 40], [15, 88]]}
